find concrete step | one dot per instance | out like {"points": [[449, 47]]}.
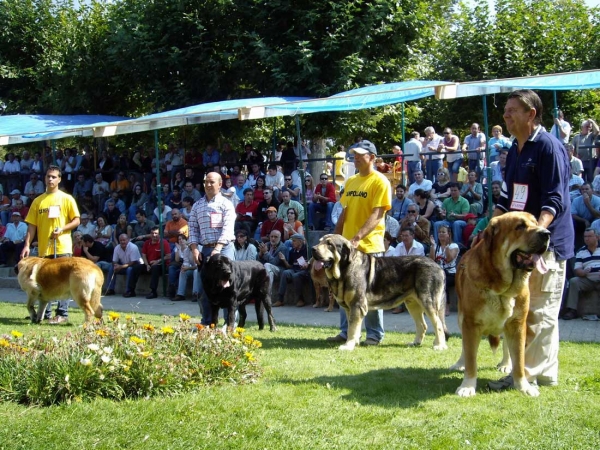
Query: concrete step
{"points": [[9, 282], [8, 271]]}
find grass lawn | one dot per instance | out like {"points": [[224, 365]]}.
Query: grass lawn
{"points": [[313, 396]]}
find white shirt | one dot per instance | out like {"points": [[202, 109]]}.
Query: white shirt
{"points": [[413, 147], [417, 249], [426, 185]]}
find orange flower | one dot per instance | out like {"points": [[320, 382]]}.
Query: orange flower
{"points": [[225, 363]]}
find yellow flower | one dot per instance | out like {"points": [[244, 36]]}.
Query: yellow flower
{"points": [[239, 330], [114, 316], [145, 354], [225, 363], [167, 330], [248, 340], [184, 317], [16, 333], [148, 327], [128, 318], [236, 335], [102, 332], [4, 343], [136, 340], [250, 356], [257, 343]]}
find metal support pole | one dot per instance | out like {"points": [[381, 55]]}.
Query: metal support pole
{"points": [[160, 213]]}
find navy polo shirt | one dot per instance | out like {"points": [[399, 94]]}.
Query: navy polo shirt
{"points": [[543, 167]]}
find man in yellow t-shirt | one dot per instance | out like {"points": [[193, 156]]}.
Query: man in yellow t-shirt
{"points": [[367, 197], [52, 216]]}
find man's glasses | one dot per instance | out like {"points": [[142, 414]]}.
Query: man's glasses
{"points": [[445, 132], [411, 211], [288, 179], [324, 179]]}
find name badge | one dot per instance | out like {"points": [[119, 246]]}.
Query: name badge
{"points": [[54, 212], [520, 194], [216, 220]]}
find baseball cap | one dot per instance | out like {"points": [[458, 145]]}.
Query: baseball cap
{"points": [[297, 236], [271, 208], [16, 213], [363, 147], [15, 191], [470, 216]]}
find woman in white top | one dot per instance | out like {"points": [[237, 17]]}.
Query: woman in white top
{"points": [[445, 254]]}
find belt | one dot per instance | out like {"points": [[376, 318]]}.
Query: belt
{"points": [[214, 244], [62, 255]]}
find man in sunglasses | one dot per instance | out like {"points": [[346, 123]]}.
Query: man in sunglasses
{"points": [[323, 201]]}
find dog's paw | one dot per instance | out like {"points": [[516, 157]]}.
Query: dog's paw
{"points": [[348, 346], [328, 310], [465, 391], [459, 366], [504, 368], [527, 388], [440, 347], [414, 344]]}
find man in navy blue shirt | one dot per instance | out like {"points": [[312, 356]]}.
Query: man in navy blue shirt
{"points": [[537, 181]]}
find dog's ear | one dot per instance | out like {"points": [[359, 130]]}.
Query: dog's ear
{"points": [[488, 236], [336, 261]]}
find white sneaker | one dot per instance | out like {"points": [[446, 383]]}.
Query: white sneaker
{"points": [[592, 317]]}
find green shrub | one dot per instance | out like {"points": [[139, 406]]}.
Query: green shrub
{"points": [[122, 359]]}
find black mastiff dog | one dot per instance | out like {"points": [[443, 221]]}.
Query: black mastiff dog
{"points": [[231, 284], [361, 282]]}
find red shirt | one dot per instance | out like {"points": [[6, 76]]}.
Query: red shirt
{"points": [[152, 250], [269, 226], [242, 209], [329, 193]]}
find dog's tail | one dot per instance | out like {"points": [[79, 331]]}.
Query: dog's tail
{"points": [[494, 342]]}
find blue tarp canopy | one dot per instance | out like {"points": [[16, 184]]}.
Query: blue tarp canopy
{"points": [[18, 129], [361, 98], [191, 115], [586, 79]]}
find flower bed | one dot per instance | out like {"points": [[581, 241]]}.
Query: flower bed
{"points": [[122, 359]]}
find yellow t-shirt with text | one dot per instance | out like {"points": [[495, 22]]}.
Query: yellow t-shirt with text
{"points": [[361, 195], [50, 211]]}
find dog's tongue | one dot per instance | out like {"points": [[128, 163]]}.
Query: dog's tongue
{"points": [[318, 265], [540, 264]]}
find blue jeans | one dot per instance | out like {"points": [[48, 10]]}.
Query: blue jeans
{"points": [[205, 308], [457, 228], [105, 268], [131, 276], [413, 166], [184, 276], [454, 166], [433, 165], [320, 207], [62, 307], [174, 270]]}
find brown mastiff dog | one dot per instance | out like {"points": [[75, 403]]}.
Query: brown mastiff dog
{"points": [[45, 280], [492, 283], [361, 282]]}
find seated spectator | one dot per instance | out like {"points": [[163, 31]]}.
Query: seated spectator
{"points": [[453, 212], [292, 189], [211, 157], [407, 245], [174, 227], [274, 179], [499, 167], [445, 253], [269, 200], [286, 203], [111, 212], [98, 254], [163, 215], [323, 201], [86, 205], [388, 240], [36, 186], [247, 213], [309, 188], [154, 252], [138, 202], [419, 224], [100, 192], [13, 239], [186, 211], [253, 175], [120, 183], [420, 183], [229, 157], [244, 249], [103, 231], [228, 191], [184, 257], [587, 275], [294, 270], [126, 261], [400, 204], [496, 191], [426, 207], [440, 190], [140, 230], [273, 255], [259, 189], [6, 207], [12, 172], [250, 156], [473, 192], [337, 210], [471, 220], [272, 223], [77, 238], [85, 225], [585, 209], [121, 227], [190, 191], [20, 208], [175, 201], [381, 166], [240, 187], [293, 225]]}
